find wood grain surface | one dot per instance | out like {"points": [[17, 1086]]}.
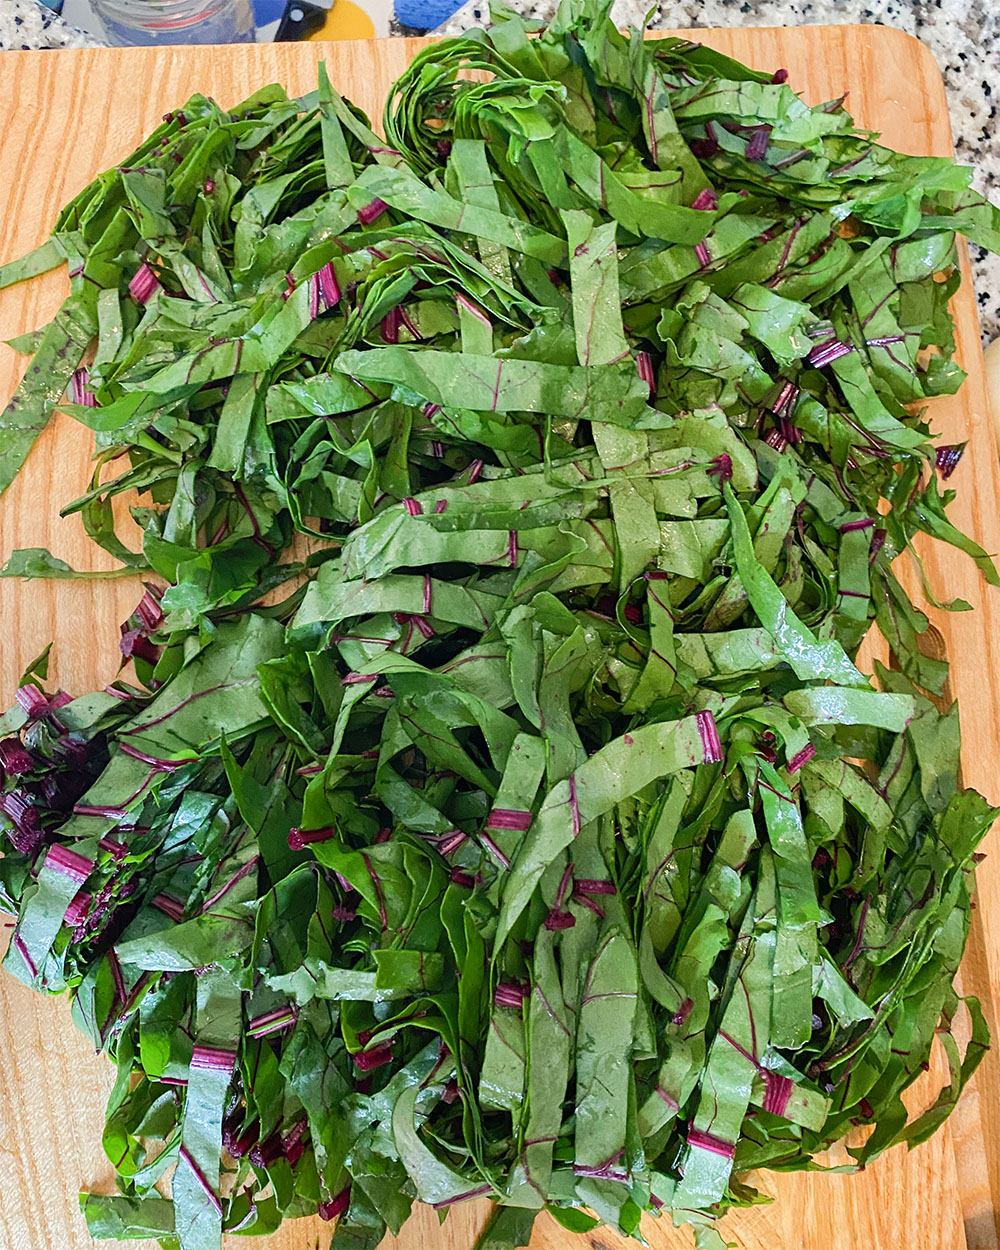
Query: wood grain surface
{"points": [[64, 116]]}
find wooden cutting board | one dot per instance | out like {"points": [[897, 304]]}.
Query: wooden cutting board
{"points": [[64, 116]]}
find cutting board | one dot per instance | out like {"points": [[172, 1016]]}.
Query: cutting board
{"points": [[64, 116]]}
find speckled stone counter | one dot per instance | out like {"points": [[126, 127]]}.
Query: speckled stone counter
{"points": [[963, 35], [25, 24]]}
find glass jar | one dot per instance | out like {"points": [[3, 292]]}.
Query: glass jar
{"points": [[132, 23]]}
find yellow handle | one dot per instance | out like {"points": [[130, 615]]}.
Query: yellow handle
{"points": [[346, 20]]}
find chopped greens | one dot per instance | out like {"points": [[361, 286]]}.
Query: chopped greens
{"points": [[493, 805]]}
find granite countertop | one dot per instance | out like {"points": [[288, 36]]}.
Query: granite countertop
{"points": [[963, 35], [28, 25]]}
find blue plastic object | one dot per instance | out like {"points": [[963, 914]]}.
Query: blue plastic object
{"points": [[426, 14], [267, 11]]}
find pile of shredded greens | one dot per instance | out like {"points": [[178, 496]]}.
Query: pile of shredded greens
{"points": [[539, 838]]}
